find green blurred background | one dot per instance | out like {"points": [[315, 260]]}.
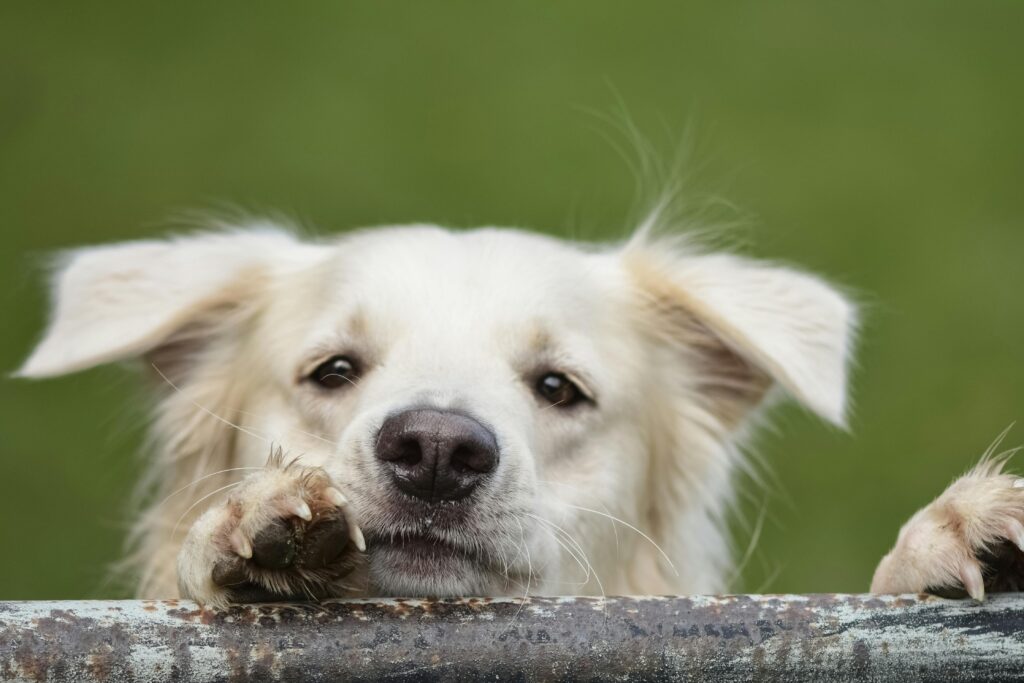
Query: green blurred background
{"points": [[879, 143]]}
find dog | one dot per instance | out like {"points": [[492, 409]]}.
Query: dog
{"points": [[416, 411]]}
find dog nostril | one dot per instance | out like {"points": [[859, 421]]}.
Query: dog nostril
{"points": [[406, 452], [474, 459]]}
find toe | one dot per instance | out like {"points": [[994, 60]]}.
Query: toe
{"points": [[229, 571]]}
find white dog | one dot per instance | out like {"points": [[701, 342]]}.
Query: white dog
{"points": [[494, 412]]}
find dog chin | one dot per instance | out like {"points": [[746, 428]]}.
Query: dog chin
{"points": [[417, 567]]}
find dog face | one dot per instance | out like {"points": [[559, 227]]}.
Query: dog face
{"points": [[507, 412], [475, 367]]}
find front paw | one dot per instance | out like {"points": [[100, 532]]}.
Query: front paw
{"points": [[286, 533], [969, 540]]}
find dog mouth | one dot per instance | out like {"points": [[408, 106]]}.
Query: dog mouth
{"points": [[420, 548], [426, 564], [441, 550]]}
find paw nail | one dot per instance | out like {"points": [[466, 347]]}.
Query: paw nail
{"points": [[1015, 532], [970, 576], [335, 497], [1019, 484], [240, 544], [356, 534], [302, 511]]}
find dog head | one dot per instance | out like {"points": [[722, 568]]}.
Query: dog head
{"points": [[506, 411]]}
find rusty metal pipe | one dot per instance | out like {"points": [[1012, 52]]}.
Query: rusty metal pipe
{"points": [[729, 638]]}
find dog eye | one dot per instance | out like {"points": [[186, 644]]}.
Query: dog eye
{"points": [[335, 372], [559, 390]]}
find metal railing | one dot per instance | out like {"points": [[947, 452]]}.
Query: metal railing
{"points": [[727, 638]]}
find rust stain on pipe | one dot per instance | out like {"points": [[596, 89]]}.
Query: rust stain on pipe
{"points": [[727, 638]]}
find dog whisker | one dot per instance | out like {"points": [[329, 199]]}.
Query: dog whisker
{"points": [[755, 536], [582, 562], [296, 430], [529, 577], [208, 411], [628, 526], [193, 505], [347, 379], [211, 474], [615, 528], [588, 569]]}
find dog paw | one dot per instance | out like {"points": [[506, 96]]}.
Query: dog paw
{"points": [[967, 541], [285, 533]]}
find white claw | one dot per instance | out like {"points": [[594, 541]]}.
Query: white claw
{"points": [[301, 509], [338, 499], [1019, 484], [335, 497], [356, 534], [970, 576], [1015, 532], [240, 544]]}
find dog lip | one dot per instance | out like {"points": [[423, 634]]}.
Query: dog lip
{"points": [[421, 546], [413, 541]]}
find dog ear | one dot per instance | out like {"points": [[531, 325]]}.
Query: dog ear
{"points": [[125, 300], [748, 326]]}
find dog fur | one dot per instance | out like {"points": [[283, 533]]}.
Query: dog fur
{"points": [[676, 350]]}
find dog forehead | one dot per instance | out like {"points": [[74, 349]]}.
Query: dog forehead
{"points": [[475, 276]]}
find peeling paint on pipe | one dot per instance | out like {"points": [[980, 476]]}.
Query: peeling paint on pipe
{"points": [[728, 638]]}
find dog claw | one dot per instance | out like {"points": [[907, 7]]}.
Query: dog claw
{"points": [[335, 497], [1015, 532], [338, 499], [301, 510], [970, 576], [356, 534], [240, 544]]}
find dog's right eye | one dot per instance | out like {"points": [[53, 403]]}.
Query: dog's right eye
{"points": [[335, 372]]}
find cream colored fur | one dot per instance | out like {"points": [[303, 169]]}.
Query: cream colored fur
{"points": [[680, 349]]}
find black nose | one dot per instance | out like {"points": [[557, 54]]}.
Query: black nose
{"points": [[436, 454]]}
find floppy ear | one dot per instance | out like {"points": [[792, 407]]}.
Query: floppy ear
{"points": [[749, 325], [124, 300]]}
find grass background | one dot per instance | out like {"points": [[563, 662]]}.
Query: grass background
{"points": [[880, 143]]}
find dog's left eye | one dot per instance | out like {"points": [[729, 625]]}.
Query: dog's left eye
{"points": [[559, 390], [335, 372]]}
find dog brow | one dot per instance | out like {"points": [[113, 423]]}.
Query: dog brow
{"points": [[538, 337], [357, 323]]}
